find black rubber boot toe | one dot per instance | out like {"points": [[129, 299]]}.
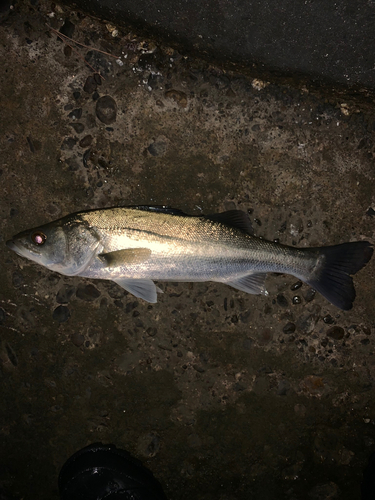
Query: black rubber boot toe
{"points": [[100, 472]]}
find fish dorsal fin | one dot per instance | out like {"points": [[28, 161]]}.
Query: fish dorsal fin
{"points": [[234, 218], [252, 283], [160, 209], [144, 289], [125, 257]]}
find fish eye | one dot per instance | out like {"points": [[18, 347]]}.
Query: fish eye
{"points": [[38, 238]]}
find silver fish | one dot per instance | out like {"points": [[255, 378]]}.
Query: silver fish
{"points": [[134, 246]]}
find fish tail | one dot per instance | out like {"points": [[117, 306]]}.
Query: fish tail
{"points": [[332, 276]]}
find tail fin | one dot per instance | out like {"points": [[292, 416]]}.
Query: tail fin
{"points": [[332, 277]]}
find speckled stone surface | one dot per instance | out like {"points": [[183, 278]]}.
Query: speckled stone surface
{"points": [[223, 395], [319, 40]]}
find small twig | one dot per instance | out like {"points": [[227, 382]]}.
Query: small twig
{"points": [[62, 37], [11, 328], [8, 302], [81, 44]]}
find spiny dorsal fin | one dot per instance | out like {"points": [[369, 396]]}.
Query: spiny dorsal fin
{"points": [[234, 218], [160, 209]]}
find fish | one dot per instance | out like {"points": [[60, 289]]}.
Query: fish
{"points": [[135, 246]]}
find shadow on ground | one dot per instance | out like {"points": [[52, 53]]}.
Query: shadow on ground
{"points": [[222, 394]]}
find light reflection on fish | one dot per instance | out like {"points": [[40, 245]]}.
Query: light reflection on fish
{"points": [[135, 246]]}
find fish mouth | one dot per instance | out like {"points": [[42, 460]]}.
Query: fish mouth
{"points": [[13, 246], [10, 244]]}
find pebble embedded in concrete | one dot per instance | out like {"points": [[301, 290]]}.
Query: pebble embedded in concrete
{"points": [[61, 314], [106, 109]]}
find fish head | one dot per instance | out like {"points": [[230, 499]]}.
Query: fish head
{"points": [[65, 246]]}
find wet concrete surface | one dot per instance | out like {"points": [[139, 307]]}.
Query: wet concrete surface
{"points": [[328, 42], [223, 395]]}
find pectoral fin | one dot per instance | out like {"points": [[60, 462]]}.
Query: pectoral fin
{"points": [[253, 283], [144, 289], [125, 257]]}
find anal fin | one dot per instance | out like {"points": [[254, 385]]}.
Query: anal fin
{"points": [[252, 283]]}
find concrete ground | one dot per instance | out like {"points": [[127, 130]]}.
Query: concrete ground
{"points": [[223, 395], [314, 39]]}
